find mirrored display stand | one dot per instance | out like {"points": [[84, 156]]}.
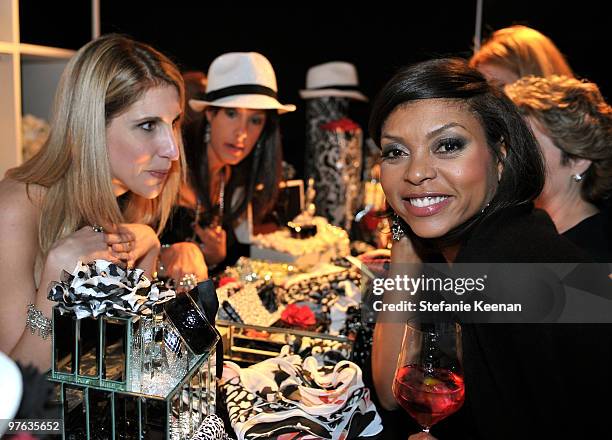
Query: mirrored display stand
{"points": [[249, 344], [129, 378]]}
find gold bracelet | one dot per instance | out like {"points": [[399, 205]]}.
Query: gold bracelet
{"points": [[36, 321]]}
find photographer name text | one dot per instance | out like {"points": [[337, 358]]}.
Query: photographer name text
{"points": [[443, 306]]}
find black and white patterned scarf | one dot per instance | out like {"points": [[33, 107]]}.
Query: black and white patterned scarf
{"points": [[287, 398]]}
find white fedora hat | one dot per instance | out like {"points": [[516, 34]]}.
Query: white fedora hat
{"points": [[336, 78], [241, 80]]}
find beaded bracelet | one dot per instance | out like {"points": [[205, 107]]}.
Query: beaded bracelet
{"points": [[36, 321]]}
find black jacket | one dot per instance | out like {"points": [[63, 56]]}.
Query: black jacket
{"points": [[530, 380]]}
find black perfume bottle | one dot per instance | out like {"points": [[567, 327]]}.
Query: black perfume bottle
{"points": [[188, 313]]}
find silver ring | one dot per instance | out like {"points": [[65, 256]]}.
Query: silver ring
{"points": [[189, 280], [97, 228]]}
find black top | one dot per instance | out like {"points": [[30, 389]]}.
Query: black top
{"points": [[179, 228], [521, 234], [529, 380], [593, 235]]}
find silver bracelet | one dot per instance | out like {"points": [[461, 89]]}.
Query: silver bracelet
{"points": [[36, 321]]}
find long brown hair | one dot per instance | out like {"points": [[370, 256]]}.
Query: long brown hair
{"points": [[103, 79]]}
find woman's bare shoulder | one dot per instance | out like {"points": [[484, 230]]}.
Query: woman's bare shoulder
{"points": [[20, 202]]}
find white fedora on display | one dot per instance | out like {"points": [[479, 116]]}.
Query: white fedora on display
{"points": [[241, 80], [336, 78]]}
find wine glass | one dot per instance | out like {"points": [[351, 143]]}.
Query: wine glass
{"points": [[428, 380]]}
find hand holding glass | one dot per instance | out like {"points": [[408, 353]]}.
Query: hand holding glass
{"points": [[428, 380]]}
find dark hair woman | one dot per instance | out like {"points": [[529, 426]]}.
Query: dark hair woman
{"points": [[460, 169], [234, 158]]}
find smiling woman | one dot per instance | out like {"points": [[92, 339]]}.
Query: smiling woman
{"points": [[438, 154], [115, 132], [451, 140], [460, 169]]}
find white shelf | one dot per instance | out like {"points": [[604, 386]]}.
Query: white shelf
{"points": [[10, 111], [8, 48], [29, 74], [35, 52]]}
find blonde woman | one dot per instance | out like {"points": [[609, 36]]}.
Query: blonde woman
{"points": [[516, 51], [101, 186]]}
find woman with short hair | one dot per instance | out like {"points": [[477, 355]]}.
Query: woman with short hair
{"points": [[573, 125]]}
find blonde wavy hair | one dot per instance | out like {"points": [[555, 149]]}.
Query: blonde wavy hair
{"points": [[523, 51], [577, 119], [103, 79]]}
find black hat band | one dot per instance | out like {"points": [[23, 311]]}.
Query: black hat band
{"points": [[242, 89], [331, 86]]}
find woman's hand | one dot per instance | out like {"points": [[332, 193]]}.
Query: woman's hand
{"points": [[389, 330], [214, 243], [184, 258], [83, 245], [134, 242], [403, 251]]}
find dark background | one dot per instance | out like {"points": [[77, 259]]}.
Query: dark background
{"points": [[377, 37]]}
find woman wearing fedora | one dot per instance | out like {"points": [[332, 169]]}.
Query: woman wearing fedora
{"points": [[234, 158]]}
